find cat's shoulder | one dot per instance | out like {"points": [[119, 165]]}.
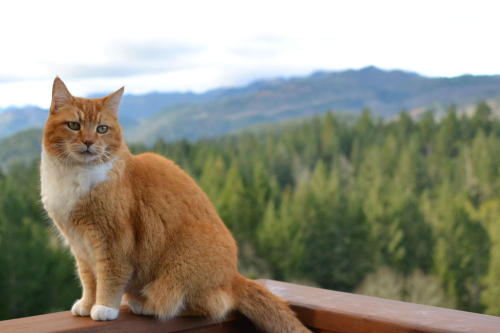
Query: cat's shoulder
{"points": [[159, 173], [150, 159], [151, 163]]}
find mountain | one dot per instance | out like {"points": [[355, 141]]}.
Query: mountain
{"points": [[385, 92], [16, 119], [134, 108], [189, 115], [22, 147]]}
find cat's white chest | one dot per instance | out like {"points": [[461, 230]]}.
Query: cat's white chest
{"points": [[62, 186]]}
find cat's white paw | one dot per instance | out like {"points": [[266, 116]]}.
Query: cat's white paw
{"points": [[101, 312], [78, 309]]}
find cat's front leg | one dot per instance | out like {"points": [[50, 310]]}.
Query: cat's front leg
{"points": [[83, 305], [112, 275]]}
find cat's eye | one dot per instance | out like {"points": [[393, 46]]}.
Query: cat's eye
{"points": [[102, 129], [75, 126]]}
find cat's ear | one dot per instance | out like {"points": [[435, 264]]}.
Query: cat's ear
{"points": [[60, 95], [113, 100]]}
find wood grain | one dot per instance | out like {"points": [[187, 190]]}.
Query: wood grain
{"points": [[351, 313]]}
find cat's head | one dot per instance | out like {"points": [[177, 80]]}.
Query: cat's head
{"points": [[82, 130]]}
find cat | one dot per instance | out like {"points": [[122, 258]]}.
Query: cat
{"points": [[141, 230]]}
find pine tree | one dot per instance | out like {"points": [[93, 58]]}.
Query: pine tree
{"points": [[462, 252], [489, 213]]}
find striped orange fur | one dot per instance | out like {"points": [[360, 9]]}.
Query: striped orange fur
{"points": [[141, 230]]}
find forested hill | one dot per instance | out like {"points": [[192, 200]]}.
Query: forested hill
{"points": [[191, 116], [20, 148], [404, 209], [384, 92]]}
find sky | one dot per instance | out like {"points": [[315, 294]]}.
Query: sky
{"points": [[99, 46]]}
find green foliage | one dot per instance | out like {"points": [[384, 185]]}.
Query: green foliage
{"points": [[327, 200], [489, 214], [416, 287], [36, 275], [344, 198], [461, 257]]}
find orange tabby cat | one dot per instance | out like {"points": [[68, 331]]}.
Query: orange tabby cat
{"points": [[140, 227]]}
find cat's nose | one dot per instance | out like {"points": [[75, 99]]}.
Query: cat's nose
{"points": [[88, 143]]}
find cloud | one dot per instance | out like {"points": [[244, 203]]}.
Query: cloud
{"points": [[107, 70], [263, 46], [155, 51], [131, 58], [8, 78], [13, 78], [196, 45]]}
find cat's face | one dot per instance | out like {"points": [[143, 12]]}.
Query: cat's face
{"points": [[82, 130]]}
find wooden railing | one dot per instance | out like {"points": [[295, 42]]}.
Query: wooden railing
{"points": [[321, 310]]}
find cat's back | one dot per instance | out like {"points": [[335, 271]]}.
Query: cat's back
{"points": [[153, 174], [151, 168], [161, 188]]}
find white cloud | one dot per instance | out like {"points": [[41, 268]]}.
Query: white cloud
{"points": [[198, 45]]}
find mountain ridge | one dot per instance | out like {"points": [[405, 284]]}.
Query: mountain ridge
{"points": [[188, 115]]}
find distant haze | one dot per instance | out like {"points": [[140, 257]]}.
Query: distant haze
{"points": [[200, 45]]}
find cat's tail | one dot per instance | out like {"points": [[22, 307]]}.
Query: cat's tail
{"points": [[266, 310]]}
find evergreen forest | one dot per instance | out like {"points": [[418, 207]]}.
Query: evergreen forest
{"points": [[406, 209]]}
